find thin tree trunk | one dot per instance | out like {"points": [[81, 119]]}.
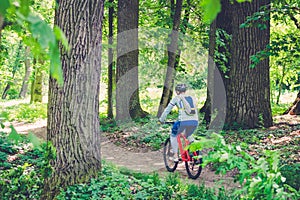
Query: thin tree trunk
{"points": [[110, 62], [24, 87], [127, 91], [172, 53], [1, 25], [73, 109], [280, 85], [5, 92], [37, 83], [16, 65]]}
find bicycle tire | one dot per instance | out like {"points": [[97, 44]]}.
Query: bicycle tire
{"points": [[168, 156], [193, 169]]}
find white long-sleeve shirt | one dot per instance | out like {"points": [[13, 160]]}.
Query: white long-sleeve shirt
{"points": [[176, 101]]}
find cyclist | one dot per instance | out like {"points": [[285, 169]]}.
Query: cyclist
{"points": [[186, 122]]}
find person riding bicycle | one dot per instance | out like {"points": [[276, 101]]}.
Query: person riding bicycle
{"points": [[187, 122]]}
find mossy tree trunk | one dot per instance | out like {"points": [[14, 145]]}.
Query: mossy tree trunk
{"points": [[37, 82], [24, 87], [73, 109]]}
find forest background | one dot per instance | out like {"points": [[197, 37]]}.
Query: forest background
{"points": [[25, 62]]}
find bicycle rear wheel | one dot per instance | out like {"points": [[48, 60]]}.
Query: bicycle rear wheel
{"points": [[193, 168], [168, 156]]}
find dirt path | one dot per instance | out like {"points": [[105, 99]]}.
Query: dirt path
{"points": [[147, 162]]}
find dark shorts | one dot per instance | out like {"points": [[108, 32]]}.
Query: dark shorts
{"points": [[188, 126]]}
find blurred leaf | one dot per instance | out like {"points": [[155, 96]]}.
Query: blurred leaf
{"points": [[59, 34], [211, 9], [55, 64], [34, 140], [4, 6], [14, 136], [41, 31], [24, 7]]}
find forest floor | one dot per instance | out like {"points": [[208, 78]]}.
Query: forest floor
{"points": [[145, 160]]}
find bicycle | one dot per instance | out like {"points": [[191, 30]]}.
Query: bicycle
{"points": [[192, 162]]}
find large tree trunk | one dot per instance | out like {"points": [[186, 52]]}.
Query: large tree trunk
{"points": [[73, 109], [248, 93], [172, 54], [218, 68], [111, 71], [24, 87], [127, 91]]}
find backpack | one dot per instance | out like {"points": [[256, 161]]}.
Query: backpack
{"points": [[188, 105]]}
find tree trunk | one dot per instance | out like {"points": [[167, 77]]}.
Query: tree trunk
{"points": [[172, 53], [111, 71], [127, 91], [37, 82], [24, 87], [73, 109], [1, 25], [5, 92], [295, 108], [280, 84], [218, 68], [248, 91]]}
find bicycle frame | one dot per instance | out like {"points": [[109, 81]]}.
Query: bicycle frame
{"points": [[184, 153]]}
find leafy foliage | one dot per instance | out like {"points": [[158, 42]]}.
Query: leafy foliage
{"points": [[25, 112], [23, 167], [260, 178], [114, 183]]}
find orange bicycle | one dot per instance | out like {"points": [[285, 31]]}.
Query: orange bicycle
{"points": [[192, 161]]}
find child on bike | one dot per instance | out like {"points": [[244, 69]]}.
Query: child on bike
{"points": [[187, 120]]}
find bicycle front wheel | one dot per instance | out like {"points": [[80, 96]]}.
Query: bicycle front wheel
{"points": [[193, 168], [168, 156]]}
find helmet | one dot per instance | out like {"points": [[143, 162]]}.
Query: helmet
{"points": [[181, 87]]}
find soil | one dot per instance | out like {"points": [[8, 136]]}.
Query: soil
{"points": [[145, 160]]}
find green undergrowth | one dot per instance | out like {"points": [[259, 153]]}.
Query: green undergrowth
{"points": [[24, 112], [116, 183], [24, 167]]}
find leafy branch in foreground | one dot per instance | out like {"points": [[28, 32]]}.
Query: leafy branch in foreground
{"points": [[42, 35]]}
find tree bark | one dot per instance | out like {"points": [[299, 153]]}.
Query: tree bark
{"points": [[127, 91], [218, 68], [111, 71], [295, 108], [37, 82], [248, 91], [24, 87], [73, 109], [172, 53]]}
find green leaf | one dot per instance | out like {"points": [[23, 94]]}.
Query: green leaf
{"points": [[211, 9], [41, 31], [55, 64], [24, 7], [34, 140], [14, 136], [4, 6], [59, 34]]}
